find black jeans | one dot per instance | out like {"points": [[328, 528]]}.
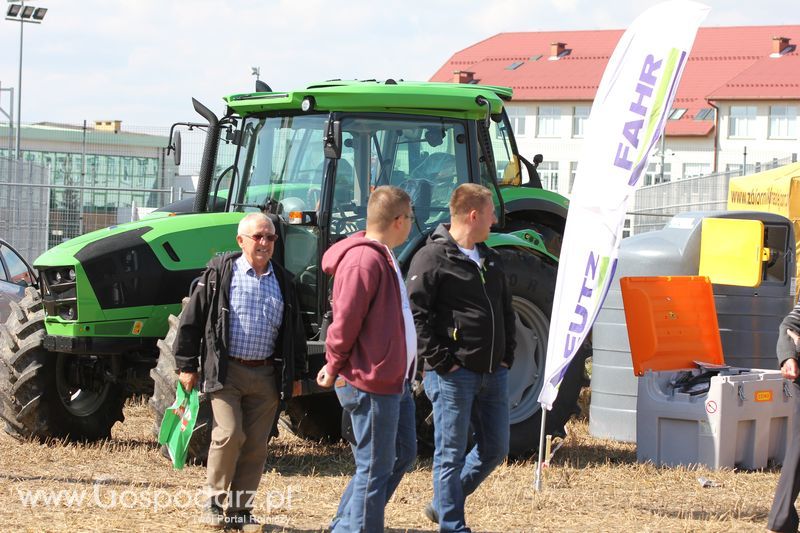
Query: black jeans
{"points": [[783, 516]]}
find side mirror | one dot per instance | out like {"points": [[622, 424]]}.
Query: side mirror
{"points": [[333, 139], [538, 158], [175, 146]]}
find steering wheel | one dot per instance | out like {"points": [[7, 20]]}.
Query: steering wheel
{"points": [[346, 224], [438, 168]]}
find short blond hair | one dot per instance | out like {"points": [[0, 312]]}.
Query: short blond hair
{"points": [[469, 197], [386, 203]]}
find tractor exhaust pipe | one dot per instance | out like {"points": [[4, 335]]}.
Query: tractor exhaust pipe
{"points": [[209, 157]]}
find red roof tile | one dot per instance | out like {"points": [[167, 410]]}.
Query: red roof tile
{"points": [[689, 127], [725, 63], [768, 79]]}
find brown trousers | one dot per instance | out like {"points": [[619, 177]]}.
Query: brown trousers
{"points": [[244, 412]]}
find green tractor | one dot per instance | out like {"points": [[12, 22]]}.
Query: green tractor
{"points": [[105, 314]]}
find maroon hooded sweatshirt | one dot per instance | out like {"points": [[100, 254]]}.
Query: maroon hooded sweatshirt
{"points": [[366, 342]]}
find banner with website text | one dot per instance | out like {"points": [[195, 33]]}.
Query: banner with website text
{"points": [[628, 116]]}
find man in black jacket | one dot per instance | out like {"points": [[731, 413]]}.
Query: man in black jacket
{"points": [[465, 327], [783, 515], [241, 336]]}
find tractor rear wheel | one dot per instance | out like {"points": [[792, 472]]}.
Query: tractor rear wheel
{"points": [[317, 417], [165, 382], [532, 283], [54, 395]]}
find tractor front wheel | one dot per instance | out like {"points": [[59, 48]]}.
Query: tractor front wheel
{"points": [[54, 395]]}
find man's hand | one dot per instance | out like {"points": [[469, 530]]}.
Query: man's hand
{"points": [[504, 364], [188, 380], [297, 388], [324, 379], [453, 369], [794, 336], [790, 369]]}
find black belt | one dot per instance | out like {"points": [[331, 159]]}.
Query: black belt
{"points": [[251, 362]]}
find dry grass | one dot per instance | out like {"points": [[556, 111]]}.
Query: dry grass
{"points": [[592, 485]]}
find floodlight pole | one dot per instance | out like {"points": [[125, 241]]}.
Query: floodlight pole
{"points": [[19, 85], [35, 15]]}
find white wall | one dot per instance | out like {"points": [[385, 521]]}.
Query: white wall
{"points": [[682, 154]]}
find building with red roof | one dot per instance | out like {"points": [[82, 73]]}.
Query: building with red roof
{"points": [[737, 102]]}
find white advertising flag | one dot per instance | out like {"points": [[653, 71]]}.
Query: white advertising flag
{"points": [[628, 116]]}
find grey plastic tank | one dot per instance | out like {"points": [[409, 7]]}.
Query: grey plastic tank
{"points": [[748, 317]]}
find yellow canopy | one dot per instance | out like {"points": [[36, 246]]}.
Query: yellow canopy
{"points": [[774, 191]]}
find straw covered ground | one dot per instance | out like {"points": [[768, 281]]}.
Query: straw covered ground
{"points": [[592, 485]]}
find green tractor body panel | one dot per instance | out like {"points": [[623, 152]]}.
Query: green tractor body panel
{"points": [[439, 99], [526, 239], [525, 198], [148, 262]]}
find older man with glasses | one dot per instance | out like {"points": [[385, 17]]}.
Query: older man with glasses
{"points": [[242, 339]]}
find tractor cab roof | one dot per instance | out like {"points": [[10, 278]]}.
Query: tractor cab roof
{"points": [[416, 98]]}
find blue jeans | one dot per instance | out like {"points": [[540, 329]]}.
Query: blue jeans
{"points": [[459, 398], [385, 431]]}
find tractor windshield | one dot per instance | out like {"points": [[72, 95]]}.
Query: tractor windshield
{"points": [[426, 157], [280, 162]]}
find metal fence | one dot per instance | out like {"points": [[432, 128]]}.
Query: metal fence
{"points": [[76, 178], [24, 220], [655, 204]]}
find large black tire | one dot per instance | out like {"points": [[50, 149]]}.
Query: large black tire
{"points": [[532, 282], [317, 417], [53, 395], [165, 382]]}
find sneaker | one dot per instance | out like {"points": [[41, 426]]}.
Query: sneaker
{"points": [[243, 521], [213, 516], [431, 514]]}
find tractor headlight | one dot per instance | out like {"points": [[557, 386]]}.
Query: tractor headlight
{"points": [[68, 311]]}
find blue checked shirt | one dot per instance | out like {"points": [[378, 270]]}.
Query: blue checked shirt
{"points": [[256, 311]]}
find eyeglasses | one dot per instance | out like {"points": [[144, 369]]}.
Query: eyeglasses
{"points": [[270, 237], [410, 217]]}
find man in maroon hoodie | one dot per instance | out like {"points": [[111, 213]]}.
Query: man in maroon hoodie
{"points": [[371, 346]]}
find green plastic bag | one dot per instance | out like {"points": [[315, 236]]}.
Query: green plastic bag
{"points": [[178, 424]]}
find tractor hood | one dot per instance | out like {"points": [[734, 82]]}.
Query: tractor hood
{"points": [[169, 231]]}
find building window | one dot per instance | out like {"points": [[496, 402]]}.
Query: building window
{"points": [[694, 170], [548, 172], [547, 121], [782, 122], [742, 121], [705, 114], [676, 114], [573, 169], [516, 116], [654, 175], [579, 115]]}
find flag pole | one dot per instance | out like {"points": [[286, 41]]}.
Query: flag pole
{"points": [[538, 483]]}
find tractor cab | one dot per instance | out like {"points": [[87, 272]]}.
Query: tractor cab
{"points": [[314, 165]]}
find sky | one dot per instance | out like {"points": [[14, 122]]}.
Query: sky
{"points": [[141, 61]]}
